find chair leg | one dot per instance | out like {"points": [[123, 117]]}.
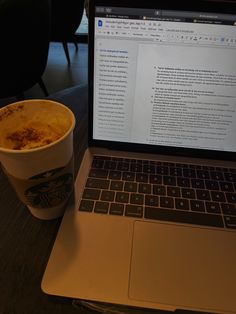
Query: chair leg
{"points": [[76, 44], [43, 87], [66, 52]]}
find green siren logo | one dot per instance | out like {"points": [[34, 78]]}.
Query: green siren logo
{"points": [[51, 193]]}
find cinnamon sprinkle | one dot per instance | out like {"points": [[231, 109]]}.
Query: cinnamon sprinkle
{"points": [[5, 112], [24, 137]]}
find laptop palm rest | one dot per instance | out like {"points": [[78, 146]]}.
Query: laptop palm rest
{"points": [[183, 266]]}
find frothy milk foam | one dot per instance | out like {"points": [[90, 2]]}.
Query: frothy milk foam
{"points": [[32, 125]]}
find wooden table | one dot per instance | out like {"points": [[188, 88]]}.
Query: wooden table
{"points": [[26, 242]]}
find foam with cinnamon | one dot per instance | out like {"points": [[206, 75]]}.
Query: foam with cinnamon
{"points": [[33, 124]]}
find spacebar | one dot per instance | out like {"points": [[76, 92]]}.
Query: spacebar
{"points": [[183, 217]]}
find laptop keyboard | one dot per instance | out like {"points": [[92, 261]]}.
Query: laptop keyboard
{"points": [[164, 191]]}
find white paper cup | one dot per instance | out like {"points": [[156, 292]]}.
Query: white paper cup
{"points": [[42, 176]]}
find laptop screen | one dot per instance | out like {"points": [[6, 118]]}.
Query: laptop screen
{"points": [[165, 78]]}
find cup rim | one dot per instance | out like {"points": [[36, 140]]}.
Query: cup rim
{"points": [[41, 148]]}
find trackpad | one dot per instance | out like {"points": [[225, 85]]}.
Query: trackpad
{"points": [[183, 266]]}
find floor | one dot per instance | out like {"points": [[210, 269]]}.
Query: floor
{"points": [[58, 75]]}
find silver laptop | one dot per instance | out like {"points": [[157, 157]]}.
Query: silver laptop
{"points": [[154, 218]]}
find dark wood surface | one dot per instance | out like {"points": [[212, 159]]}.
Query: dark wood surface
{"points": [[26, 242]]}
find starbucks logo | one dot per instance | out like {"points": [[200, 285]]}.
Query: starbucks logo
{"points": [[51, 193]]}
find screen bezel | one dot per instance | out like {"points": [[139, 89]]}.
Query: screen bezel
{"points": [[227, 7]]}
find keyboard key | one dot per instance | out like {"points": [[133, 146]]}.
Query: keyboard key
{"points": [[197, 205], [190, 217], [97, 183], [218, 196], [166, 202], [226, 186], [137, 199], [96, 157], [159, 190], [182, 203], [130, 187], [98, 164], [117, 159], [208, 168], [108, 196], [198, 183], [123, 166], [230, 222], [182, 165], [203, 195], [168, 180], [86, 206], [222, 169], [144, 188], [149, 169], [140, 177], [176, 172], [134, 211], [98, 173], [128, 176], [110, 165], [197, 167], [162, 170], [151, 200], [168, 164], [114, 175], [228, 209], [189, 173], [212, 207], [216, 175], [155, 179], [91, 194], [231, 197], [127, 160], [116, 209], [173, 191], [230, 177], [183, 182], [135, 167], [122, 197], [212, 185], [188, 193], [203, 174], [117, 185], [101, 207]]}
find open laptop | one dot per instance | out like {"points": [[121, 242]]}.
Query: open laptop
{"points": [[154, 220]]}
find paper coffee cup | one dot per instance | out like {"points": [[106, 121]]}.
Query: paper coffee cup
{"points": [[36, 153]]}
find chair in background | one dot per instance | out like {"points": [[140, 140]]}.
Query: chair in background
{"points": [[24, 44], [66, 16]]}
